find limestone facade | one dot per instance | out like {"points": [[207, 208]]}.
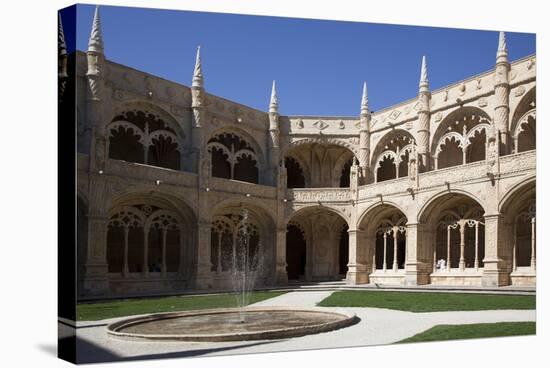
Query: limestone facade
{"points": [[439, 189]]}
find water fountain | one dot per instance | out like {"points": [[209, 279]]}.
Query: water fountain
{"points": [[240, 323]]}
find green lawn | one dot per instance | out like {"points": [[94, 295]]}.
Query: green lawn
{"points": [[474, 331], [427, 302], [127, 307]]}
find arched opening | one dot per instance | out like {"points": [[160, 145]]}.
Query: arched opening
{"points": [[527, 134], [458, 241], [321, 165], [233, 158], [125, 144], [450, 153], [245, 169], [163, 152], [343, 253], [386, 226], [220, 164], [344, 178], [386, 169], [295, 174], [143, 137], [519, 232], [295, 252], [317, 245], [475, 150], [391, 155], [240, 242], [148, 244], [404, 164], [524, 123], [460, 138]]}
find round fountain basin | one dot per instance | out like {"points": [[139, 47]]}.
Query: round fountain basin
{"points": [[232, 324]]}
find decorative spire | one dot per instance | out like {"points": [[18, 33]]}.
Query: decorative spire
{"points": [[95, 43], [198, 80], [365, 100], [61, 45], [274, 102], [424, 83], [502, 51]]}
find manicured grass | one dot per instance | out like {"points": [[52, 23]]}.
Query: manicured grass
{"points": [[127, 307], [428, 302], [474, 331]]}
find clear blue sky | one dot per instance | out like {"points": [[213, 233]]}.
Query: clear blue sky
{"points": [[319, 65]]}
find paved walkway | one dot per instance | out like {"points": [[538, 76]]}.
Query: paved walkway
{"points": [[377, 326]]}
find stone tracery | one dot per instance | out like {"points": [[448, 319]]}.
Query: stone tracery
{"points": [[141, 137]]}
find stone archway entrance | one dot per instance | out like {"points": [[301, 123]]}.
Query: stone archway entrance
{"points": [[317, 245], [295, 252]]}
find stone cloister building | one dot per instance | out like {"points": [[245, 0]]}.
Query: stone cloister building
{"points": [[439, 189]]}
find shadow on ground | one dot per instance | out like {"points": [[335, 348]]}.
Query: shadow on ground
{"points": [[88, 352]]}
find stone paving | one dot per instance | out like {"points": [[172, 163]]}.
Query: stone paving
{"points": [[377, 326]]}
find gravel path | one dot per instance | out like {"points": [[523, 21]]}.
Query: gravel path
{"points": [[377, 326]]}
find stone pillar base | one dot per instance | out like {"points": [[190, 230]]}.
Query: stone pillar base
{"points": [[417, 273], [416, 278], [204, 278], [282, 278], [495, 278], [95, 280], [357, 277]]}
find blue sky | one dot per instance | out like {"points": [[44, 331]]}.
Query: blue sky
{"points": [[319, 65]]}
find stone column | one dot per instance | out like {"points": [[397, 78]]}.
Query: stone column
{"points": [[163, 265], [417, 263], [145, 252], [204, 264], [125, 260], [533, 245], [502, 92], [423, 123], [96, 281], [448, 247], [476, 258], [281, 272], [461, 262], [395, 266], [495, 272], [385, 263], [364, 137], [357, 264]]}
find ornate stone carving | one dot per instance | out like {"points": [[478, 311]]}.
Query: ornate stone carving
{"points": [[320, 124], [394, 114], [519, 91], [462, 89], [300, 124]]}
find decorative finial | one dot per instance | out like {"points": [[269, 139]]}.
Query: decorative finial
{"points": [[502, 51], [365, 100], [274, 102], [424, 83], [95, 43], [198, 80], [61, 45]]}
